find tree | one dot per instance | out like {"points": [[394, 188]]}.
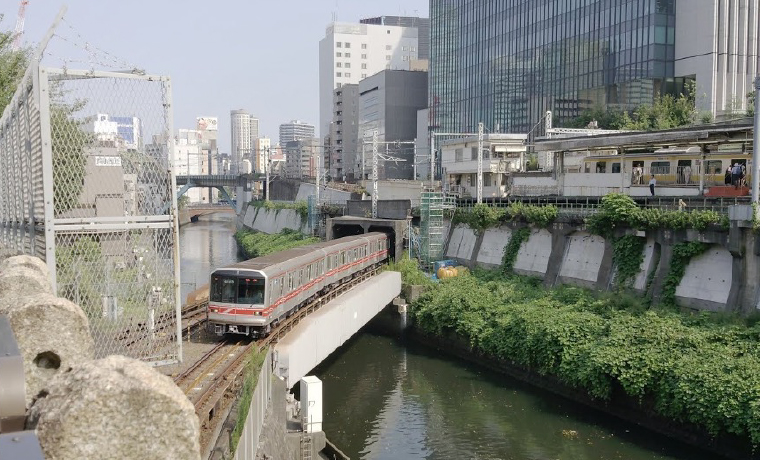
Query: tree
{"points": [[12, 67], [606, 119], [69, 157]]}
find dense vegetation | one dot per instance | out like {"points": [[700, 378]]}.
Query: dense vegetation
{"points": [[620, 211], [251, 376], [687, 368], [483, 216], [255, 244], [301, 207]]}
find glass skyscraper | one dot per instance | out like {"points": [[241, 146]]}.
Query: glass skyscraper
{"points": [[505, 62]]}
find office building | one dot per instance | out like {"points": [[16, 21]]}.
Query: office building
{"points": [[191, 159], [389, 102], [505, 63], [350, 52], [295, 130], [344, 133], [244, 130], [301, 158], [421, 24]]}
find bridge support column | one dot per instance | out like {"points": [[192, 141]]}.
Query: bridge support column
{"points": [[243, 197]]}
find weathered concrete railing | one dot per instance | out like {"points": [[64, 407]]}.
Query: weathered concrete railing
{"points": [[247, 446], [78, 407]]}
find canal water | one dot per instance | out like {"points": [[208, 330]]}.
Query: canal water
{"points": [[386, 398]]}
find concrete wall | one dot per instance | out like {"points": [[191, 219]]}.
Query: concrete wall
{"points": [[706, 283], [722, 279], [461, 243], [534, 254], [273, 220], [326, 194], [583, 259]]}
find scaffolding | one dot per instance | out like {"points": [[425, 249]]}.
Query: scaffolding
{"points": [[432, 208]]}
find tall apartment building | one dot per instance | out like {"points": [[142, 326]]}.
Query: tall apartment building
{"points": [[350, 52], [244, 131], [344, 133], [389, 102], [295, 130], [510, 62]]}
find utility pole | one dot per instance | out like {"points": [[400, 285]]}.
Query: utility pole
{"points": [[374, 174], [319, 163], [266, 169], [480, 162], [414, 162], [432, 161], [756, 149]]}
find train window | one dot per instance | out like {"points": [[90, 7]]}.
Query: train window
{"points": [[250, 291], [660, 167], [308, 273], [616, 167], [223, 289], [601, 166], [356, 254], [290, 281], [714, 167]]}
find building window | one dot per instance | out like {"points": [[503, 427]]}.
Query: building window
{"points": [[338, 64], [403, 48], [388, 31], [413, 48], [364, 66], [348, 45], [474, 179], [364, 46], [348, 65], [387, 57], [387, 47], [404, 58], [338, 44], [474, 155], [486, 179], [364, 56], [458, 155], [348, 75], [338, 74], [364, 75], [337, 85], [338, 54], [348, 55]]}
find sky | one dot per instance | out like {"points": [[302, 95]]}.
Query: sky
{"points": [[261, 56]]}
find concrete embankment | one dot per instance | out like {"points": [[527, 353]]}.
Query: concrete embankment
{"points": [[271, 220], [722, 278]]}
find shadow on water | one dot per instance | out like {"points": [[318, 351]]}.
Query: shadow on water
{"points": [[385, 398]]}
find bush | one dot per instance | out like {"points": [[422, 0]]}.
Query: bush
{"points": [[410, 271], [693, 371], [255, 244]]}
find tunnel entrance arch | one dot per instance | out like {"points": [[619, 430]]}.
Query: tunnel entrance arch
{"points": [[348, 225]]}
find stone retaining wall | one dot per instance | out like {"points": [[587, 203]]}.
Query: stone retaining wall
{"points": [[721, 279]]}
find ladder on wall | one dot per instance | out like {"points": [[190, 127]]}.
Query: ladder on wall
{"points": [[306, 444]]}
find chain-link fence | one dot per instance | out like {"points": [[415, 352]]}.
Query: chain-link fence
{"points": [[88, 185]]}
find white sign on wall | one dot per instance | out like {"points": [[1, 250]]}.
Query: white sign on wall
{"points": [[108, 161]]}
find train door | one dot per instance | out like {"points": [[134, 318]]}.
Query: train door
{"points": [[684, 172], [637, 172], [742, 162]]}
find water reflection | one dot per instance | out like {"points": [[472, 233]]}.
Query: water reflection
{"points": [[388, 400], [204, 246]]}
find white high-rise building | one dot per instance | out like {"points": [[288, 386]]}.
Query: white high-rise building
{"points": [[352, 52], [263, 144], [295, 130], [245, 131]]}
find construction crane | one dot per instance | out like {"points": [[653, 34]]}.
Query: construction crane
{"points": [[19, 25]]}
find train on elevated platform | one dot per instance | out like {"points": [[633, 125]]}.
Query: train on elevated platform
{"points": [[676, 168], [252, 297]]}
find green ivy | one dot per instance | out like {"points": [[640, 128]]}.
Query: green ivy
{"points": [[410, 271], [695, 372], [301, 207], [483, 216], [682, 254], [256, 244], [519, 236], [620, 211], [252, 369], [627, 255]]}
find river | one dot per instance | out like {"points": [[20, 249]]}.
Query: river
{"points": [[385, 398]]}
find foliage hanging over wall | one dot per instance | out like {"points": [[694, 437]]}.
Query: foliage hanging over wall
{"points": [[301, 207], [627, 255], [519, 236], [255, 244], [682, 254], [620, 211], [483, 216]]}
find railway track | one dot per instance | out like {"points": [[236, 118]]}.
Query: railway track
{"points": [[212, 383], [192, 315]]}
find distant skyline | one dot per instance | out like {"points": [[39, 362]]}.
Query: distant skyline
{"points": [[259, 56]]}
